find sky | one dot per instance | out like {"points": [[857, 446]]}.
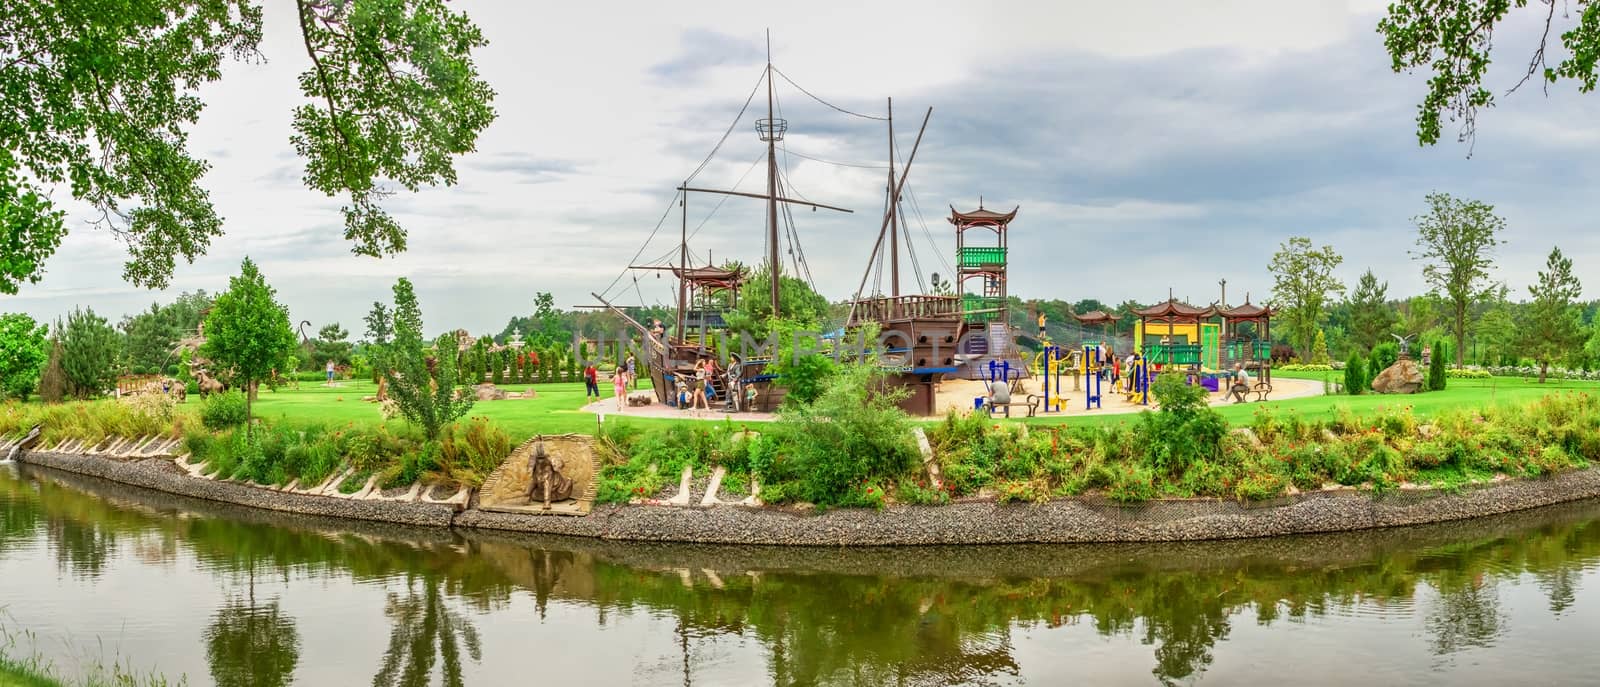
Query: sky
{"points": [[1150, 147]]}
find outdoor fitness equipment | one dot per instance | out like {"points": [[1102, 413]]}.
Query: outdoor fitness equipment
{"points": [[1055, 362], [1092, 366], [1138, 381]]}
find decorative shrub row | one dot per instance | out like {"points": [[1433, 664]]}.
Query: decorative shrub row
{"points": [[847, 453]]}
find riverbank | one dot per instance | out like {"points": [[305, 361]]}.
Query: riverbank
{"points": [[1084, 519]]}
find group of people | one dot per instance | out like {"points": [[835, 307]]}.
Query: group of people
{"points": [[623, 376]]}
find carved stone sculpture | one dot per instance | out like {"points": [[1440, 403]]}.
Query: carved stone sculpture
{"points": [[545, 482]]}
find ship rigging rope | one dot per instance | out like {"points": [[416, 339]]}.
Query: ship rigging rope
{"points": [[859, 165], [646, 244], [731, 127], [916, 266], [824, 102], [916, 207]]}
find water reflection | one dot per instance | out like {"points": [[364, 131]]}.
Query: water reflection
{"points": [[866, 617], [250, 644], [424, 630]]}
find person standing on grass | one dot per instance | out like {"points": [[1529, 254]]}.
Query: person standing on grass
{"points": [[619, 384], [591, 382], [633, 375], [330, 372]]}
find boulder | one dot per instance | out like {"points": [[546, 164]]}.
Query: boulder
{"points": [[641, 398], [488, 392], [1403, 377]]}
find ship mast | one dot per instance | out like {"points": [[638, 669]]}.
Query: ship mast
{"points": [[774, 132], [894, 215]]}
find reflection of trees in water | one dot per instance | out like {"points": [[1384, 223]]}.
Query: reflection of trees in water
{"points": [[424, 630], [879, 627], [252, 645]]}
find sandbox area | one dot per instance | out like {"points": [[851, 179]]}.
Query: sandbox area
{"points": [[957, 395]]}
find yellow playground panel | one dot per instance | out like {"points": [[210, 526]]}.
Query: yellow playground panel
{"points": [[1182, 343]]}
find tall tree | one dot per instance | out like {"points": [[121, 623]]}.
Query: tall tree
{"points": [[152, 334], [331, 344], [248, 333], [380, 324], [89, 349], [1454, 39], [1371, 317], [1456, 242], [24, 350], [99, 97], [1497, 335], [1554, 326], [422, 382], [548, 320], [1303, 283]]}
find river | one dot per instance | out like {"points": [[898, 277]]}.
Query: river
{"points": [[231, 596]]}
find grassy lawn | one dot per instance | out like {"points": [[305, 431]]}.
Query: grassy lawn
{"points": [[1459, 393], [556, 409]]}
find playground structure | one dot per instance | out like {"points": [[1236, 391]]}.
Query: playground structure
{"points": [[987, 310]]}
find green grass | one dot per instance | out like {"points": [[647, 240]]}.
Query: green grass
{"points": [[18, 674], [557, 409], [1461, 393]]}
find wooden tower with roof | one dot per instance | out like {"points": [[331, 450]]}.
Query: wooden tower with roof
{"points": [[985, 304]]}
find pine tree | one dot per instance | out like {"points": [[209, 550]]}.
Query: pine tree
{"points": [[1438, 366], [53, 381], [1553, 326], [1319, 349], [1355, 374], [498, 374]]}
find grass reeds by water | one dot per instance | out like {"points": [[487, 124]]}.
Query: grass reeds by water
{"points": [[21, 665]]}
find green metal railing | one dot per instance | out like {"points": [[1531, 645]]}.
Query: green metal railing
{"points": [[981, 256], [1173, 354], [1249, 350], [971, 303]]}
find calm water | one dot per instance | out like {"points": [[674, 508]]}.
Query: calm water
{"points": [[236, 597]]}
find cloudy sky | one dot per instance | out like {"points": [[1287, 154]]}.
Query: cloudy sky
{"points": [[1149, 146]]}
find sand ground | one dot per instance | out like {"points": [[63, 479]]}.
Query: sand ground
{"points": [[958, 395]]}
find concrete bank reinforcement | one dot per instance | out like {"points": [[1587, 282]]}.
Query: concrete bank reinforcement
{"points": [[1078, 520]]}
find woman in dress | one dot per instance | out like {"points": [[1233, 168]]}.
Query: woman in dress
{"points": [[619, 384]]}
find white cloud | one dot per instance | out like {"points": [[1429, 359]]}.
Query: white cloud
{"points": [[1149, 145]]}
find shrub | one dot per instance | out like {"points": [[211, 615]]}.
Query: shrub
{"points": [[1319, 349], [1185, 429], [223, 410], [1132, 485], [1437, 366], [1465, 373], [1383, 355], [853, 434], [1304, 367], [1355, 375]]}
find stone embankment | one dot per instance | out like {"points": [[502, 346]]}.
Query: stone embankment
{"points": [[711, 521]]}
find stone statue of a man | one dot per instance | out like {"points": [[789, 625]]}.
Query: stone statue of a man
{"points": [[545, 482]]}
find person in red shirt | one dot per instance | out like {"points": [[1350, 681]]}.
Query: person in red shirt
{"points": [[591, 382]]}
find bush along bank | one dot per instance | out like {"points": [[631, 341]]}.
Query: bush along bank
{"points": [[850, 448], [212, 433]]}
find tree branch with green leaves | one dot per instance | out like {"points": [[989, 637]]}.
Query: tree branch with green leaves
{"points": [[1454, 39], [97, 98]]}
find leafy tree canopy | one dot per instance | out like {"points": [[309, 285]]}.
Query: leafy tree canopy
{"points": [[1454, 39], [97, 97], [247, 332], [1303, 283], [24, 349], [1455, 244]]}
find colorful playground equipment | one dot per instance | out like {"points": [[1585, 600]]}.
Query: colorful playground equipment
{"points": [[1052, 363], [1138, 376], [1093, 365]]}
